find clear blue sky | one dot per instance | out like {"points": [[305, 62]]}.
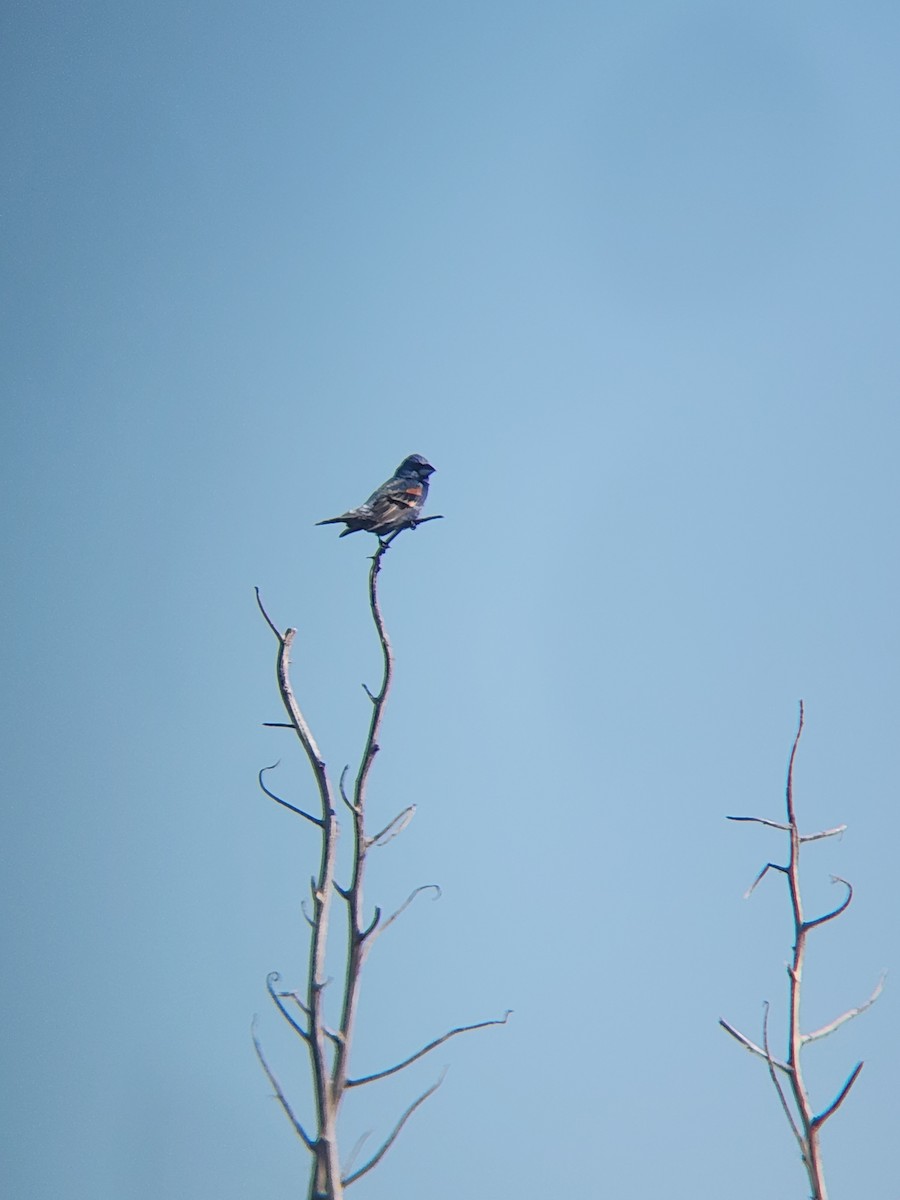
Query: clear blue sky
{"points": [[627, 273]]}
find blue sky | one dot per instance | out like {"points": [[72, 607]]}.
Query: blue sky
{"points": [[627, 275]]}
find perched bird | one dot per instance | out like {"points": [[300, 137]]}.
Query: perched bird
{"points": [[393, 506]]}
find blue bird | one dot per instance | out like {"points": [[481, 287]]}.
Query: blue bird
{"points": [[396, 505]]}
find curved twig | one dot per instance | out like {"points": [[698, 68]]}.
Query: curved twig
{"points": [[342, 787], [284, 803], [425, 887], [393, 828], [427, 1050], [271, 979], [376, 1158], [835, 912], [271, 624]]}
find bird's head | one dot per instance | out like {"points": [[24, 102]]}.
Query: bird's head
{"points": [[416, 467]]}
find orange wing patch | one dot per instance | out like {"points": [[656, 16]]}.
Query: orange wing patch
{"points": [[408, 496]]}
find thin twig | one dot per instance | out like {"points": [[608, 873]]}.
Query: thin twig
{"points": [[343, 789], [279, 1093], [271, 979], [393, 828], [820, 1120], [426, 1050], [752, 1046], [271, 624], [376, 1158], [770, 1061], [278, 800], [824, 833], [768, 867], [762, 821], [408, 901], [844, 1017], [835, 912]]}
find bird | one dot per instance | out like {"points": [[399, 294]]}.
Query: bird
{"points": [[395, 505]]}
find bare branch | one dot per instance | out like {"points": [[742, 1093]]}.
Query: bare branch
{"points": [[407, 902], [278, 800], [835, 912], [393, 827], [427, 1050], [271, 979], [815, 837], [372, 925], [271, 624], [279, 1094], [768, 867], [752, 1046], [762, 821], [384, 543], [777, 1082], [343, 789], [360, 1142], [789, 789], [304, 1008], [820, 1120], [277, 725], [376, 1158], [844, 1017]]}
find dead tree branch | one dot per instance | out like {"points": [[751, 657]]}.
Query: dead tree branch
{"points": [[795, 1099], [329, 1046]]}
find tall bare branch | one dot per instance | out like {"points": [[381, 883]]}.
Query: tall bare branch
{"points": [[794, 1098], [329, 1046]]}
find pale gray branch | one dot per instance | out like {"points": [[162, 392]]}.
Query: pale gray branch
{"points": [[815, 837], [393, 828], [844, 1017]]}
